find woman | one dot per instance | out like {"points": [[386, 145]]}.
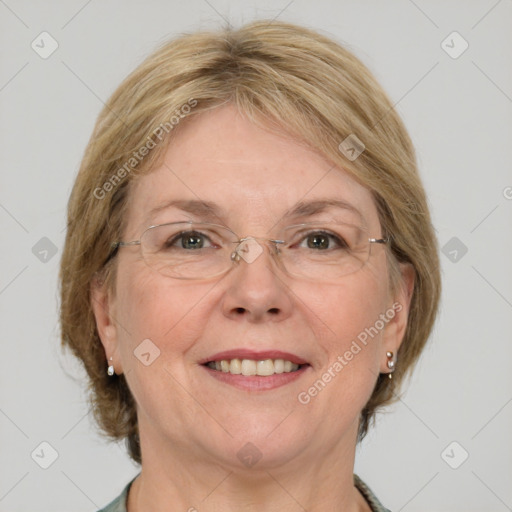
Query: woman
{"points": [[250, 270]]}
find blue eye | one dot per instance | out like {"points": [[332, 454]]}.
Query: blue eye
{"points": [[321, 240], [191, 240]]}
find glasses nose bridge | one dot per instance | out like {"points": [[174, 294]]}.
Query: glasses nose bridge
{"points": [[249, 249]]}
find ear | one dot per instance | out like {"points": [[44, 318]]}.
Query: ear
{"points": [[103, 306], [398, 314]]}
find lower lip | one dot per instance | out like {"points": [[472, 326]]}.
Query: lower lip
{"points": [[257, 382]]}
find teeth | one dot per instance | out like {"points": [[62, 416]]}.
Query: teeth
{"points": [[235, 367], [265, 367], [250, 367], [279, 365]]}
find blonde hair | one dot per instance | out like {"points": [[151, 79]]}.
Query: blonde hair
{"points": [[276, 74]]}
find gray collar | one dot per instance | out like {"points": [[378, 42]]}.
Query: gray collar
{"points": [[119, 504]]}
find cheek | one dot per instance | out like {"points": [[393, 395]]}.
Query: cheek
{"points": [[347, 326], [167, 312], [342, 311], [162, 319]]}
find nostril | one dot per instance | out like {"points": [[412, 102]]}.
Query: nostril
{"points": [[273, 311], [240, 311]]}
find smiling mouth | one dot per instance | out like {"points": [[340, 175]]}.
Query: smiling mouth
{"points": [[251, 367]]}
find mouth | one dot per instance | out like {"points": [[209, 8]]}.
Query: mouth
{"points": [[249, 367], [255, 371]]}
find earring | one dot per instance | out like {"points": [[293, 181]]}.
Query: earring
{"points": [[391, 364], [110, 370]]}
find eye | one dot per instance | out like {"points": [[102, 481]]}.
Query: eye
{"points": [[190, 240], [322, 240]]}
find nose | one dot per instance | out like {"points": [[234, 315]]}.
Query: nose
{"points": [[256, 290]]}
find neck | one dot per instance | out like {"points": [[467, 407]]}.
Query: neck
{"points": [[314, 481]]}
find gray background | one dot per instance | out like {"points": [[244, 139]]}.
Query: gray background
{"points": [[459, 113]]}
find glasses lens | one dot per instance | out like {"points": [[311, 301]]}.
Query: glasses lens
{"points": [[325, 251], [186, 250]]}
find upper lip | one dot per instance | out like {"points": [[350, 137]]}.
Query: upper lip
{"points": [[260, 355]]}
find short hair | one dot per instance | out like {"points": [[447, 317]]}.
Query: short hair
{"points": [[276, 74]]}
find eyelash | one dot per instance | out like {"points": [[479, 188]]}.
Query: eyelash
{"points": [[332, 237], [339, 241]]}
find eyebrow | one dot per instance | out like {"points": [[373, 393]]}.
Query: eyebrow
{"points": [[309, 208], [204, 209], [207, 210]]}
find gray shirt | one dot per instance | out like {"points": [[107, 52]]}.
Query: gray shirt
{"points": [[119, 504]]}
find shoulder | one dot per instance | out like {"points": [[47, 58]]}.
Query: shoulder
{"points": [[119, 504], [373, 502]]}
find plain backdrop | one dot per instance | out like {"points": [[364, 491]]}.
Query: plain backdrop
{"points": [[447, 444]]}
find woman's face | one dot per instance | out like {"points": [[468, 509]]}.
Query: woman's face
{"points": [[162, 331]]}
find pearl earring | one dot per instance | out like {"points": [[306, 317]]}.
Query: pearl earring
{"points": [[110, 370], [391, 364]]}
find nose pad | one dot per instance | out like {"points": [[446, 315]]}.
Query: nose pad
{"points": [[248, 249], [256, 294]]}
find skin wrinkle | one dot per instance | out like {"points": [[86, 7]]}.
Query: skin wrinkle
{"points": [[185, 452], [256, 180], [207, 211]]}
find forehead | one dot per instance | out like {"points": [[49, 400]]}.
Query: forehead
{"points": [[250, 175]]}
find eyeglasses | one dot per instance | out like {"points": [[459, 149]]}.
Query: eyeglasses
{"points": [[317, 251]]}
